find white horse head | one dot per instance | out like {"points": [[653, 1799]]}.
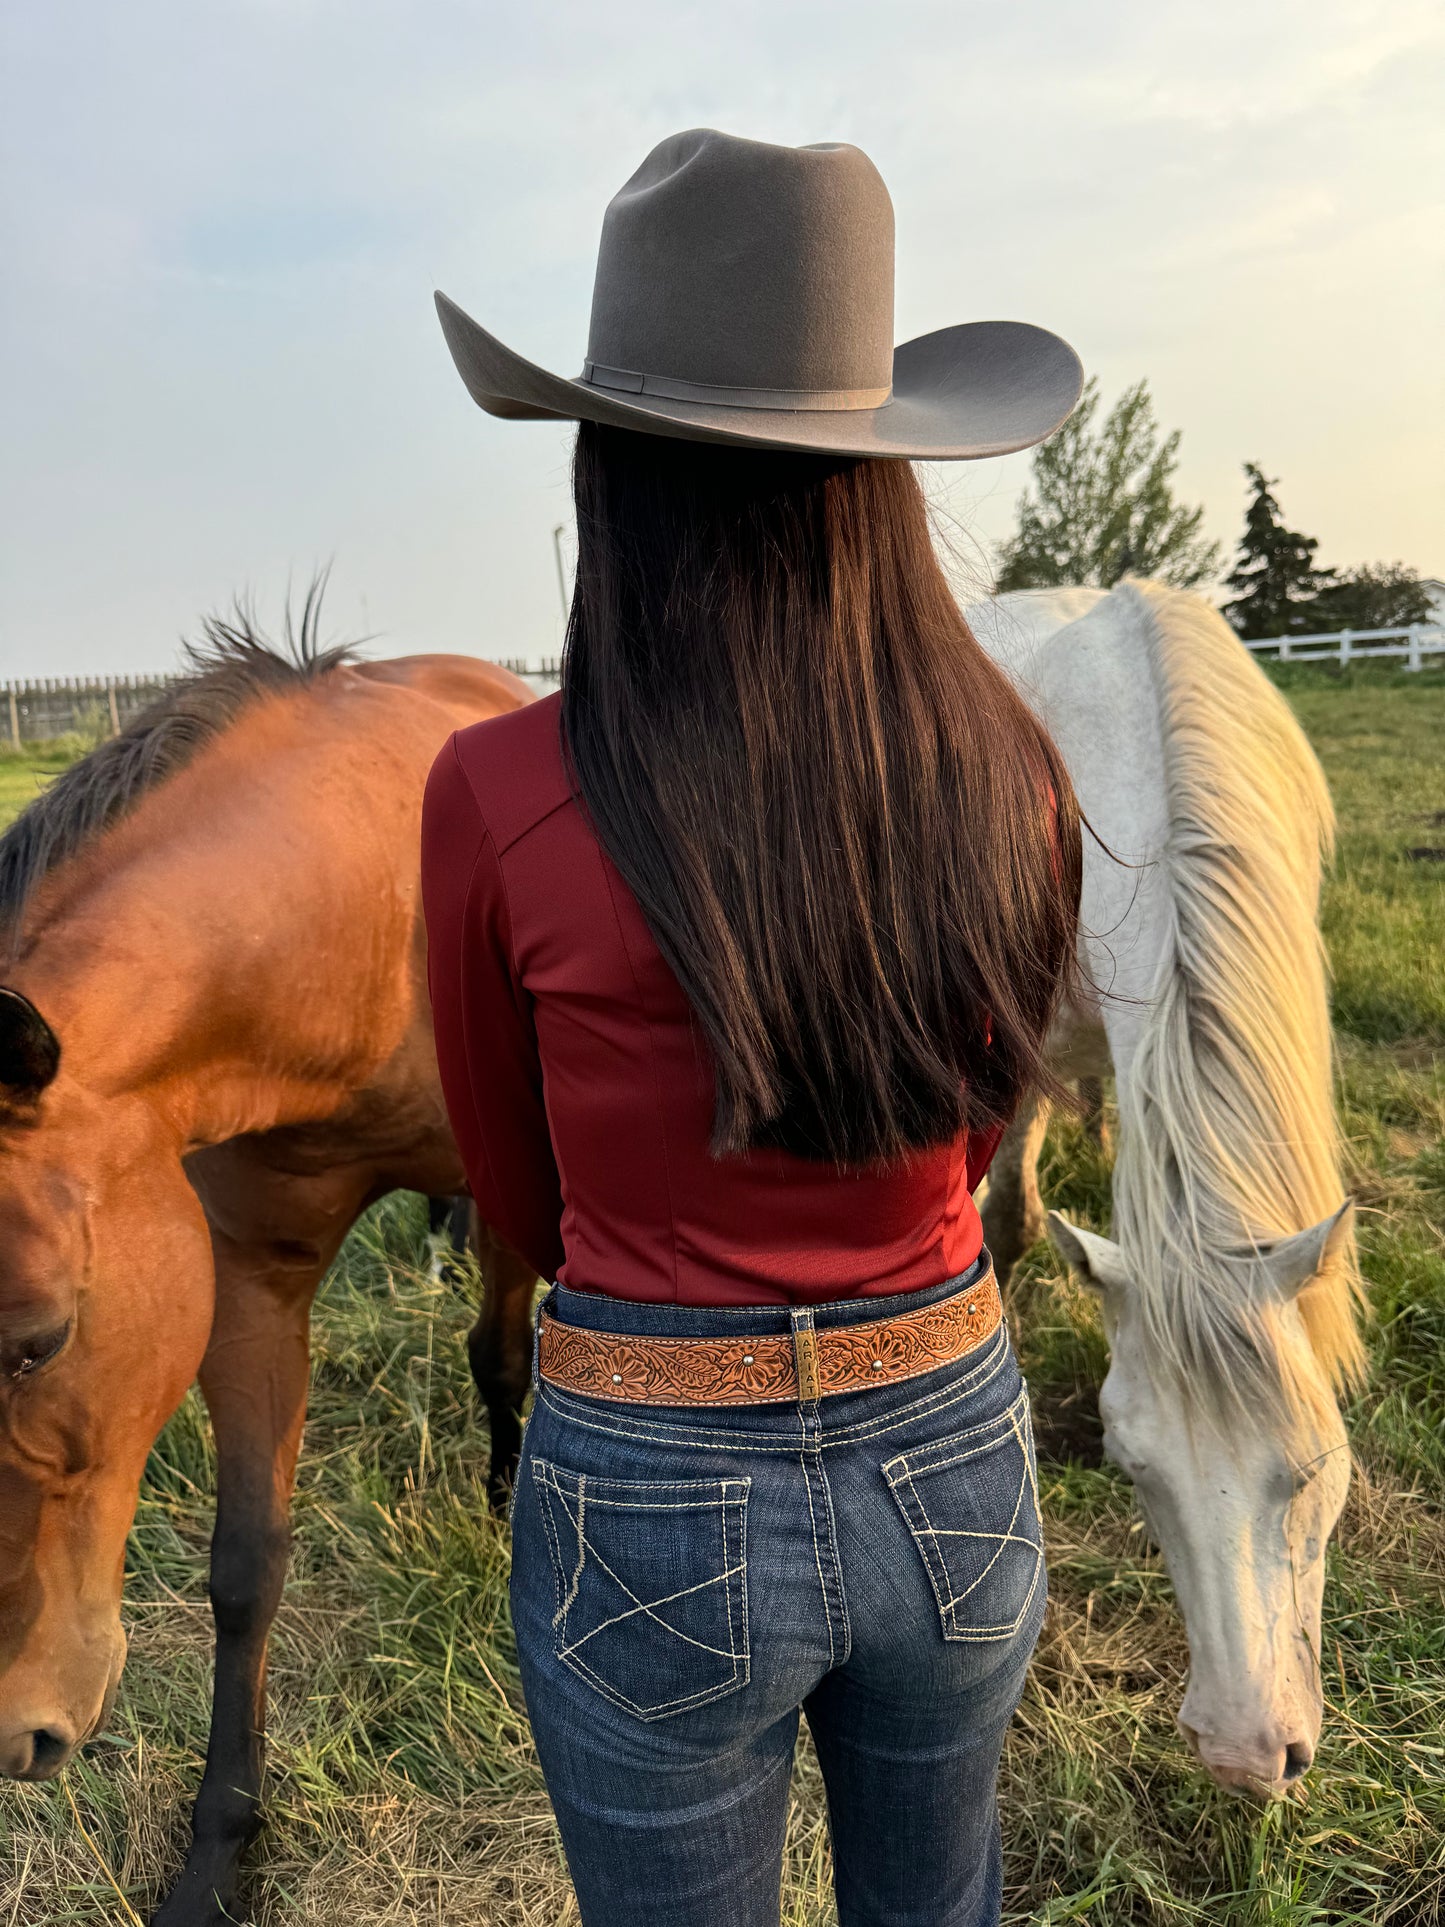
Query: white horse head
{"points": [[1229, 1296], [1240, 1501]]}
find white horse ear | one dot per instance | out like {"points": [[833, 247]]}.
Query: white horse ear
{"points": [[1290, 1264], [1100, 1260]]}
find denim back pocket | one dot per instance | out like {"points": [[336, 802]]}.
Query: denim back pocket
{"points": [[651, 1586], [971, 1503]]}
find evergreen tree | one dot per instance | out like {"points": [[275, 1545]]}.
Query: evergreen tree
{"points": [[1275, 580], [1379, 595], [1101, 505]]}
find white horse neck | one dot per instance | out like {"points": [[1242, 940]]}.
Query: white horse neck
{"points": [[1189, 765], [1083, 661]]}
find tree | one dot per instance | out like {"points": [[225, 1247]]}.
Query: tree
{"points": [[1276, 583], [1379, 595], [1101, 506]]}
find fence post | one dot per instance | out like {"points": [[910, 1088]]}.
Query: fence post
{"points": [[1347, 637], [1284, 648], [1412, 661], [114, 706], [14, 718]]}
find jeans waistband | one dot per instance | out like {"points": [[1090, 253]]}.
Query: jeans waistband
{"points": [[594, 1312]]}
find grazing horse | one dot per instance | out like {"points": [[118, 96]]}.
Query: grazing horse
{"points": [[215, 1051], [1230, 1286]]}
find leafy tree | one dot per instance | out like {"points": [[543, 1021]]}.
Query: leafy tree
{"points": [[1379, 595], [1101, 505], [1276, 583]]}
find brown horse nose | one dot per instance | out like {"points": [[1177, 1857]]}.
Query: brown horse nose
{"points": [[38, 1754]]}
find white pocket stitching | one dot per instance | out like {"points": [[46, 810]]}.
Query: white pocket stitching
{"points": [[899, 1472], [732, 1507]]}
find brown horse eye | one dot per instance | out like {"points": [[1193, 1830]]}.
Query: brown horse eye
{"points": [[31, 1353]]}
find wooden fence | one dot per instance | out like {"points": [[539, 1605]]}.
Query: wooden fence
{"points": [[89, 706], [96, 706], [542, 669]]}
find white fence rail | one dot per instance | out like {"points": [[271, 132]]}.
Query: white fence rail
{"points": [[1359, 645], [1413, 644], [101, 705]]}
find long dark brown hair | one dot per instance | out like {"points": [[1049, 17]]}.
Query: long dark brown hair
{"points": [[853, 843]]}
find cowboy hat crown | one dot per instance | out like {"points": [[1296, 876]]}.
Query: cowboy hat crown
{"points": [[744, 293]]}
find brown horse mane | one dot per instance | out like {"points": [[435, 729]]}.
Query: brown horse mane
{"points": [[232, 666]]}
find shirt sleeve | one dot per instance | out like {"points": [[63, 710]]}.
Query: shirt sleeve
{"points": [[486, 1038]]}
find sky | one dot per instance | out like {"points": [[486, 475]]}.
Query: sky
{"points": [[221, 226]]}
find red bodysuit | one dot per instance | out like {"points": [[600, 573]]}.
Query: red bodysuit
{"points": [[579, 1084]]}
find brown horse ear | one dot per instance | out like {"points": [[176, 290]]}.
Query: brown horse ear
{"points": [[29, 1048]]}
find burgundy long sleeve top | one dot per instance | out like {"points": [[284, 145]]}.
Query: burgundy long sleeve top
{"points": [[579, 1083]]}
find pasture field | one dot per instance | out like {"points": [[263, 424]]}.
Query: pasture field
{"points": [[21, 776], [403, 1786]]}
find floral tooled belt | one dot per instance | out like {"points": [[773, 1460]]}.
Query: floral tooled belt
{"points": [[804, 1364]]}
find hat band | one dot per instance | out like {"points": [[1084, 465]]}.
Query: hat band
{"points": [[668, 388]]}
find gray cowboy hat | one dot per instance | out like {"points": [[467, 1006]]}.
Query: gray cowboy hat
{"points": [[744, 294]]}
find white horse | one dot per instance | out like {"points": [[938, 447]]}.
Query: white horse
{"points": [[1230, 1286]]}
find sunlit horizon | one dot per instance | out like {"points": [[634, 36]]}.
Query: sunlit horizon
{"points": [[223, 228]]}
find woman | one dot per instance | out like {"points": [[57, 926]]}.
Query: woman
{"points": [[743, 950]]}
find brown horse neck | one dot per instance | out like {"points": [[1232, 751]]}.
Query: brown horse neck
{"points": [[238, 955]]}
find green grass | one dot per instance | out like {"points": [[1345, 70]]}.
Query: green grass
{"points": [[404, 1787], [1378, 734], [23, 777]]}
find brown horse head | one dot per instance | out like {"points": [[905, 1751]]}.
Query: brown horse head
{"points": [[215, 1049], [97, 1225]]}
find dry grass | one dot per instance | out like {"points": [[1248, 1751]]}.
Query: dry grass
{"points": [[404, 1787]]}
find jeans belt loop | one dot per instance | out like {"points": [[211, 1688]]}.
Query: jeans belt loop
{"points": [[805, 1356]]}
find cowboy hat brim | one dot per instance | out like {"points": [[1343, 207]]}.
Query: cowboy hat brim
{"points": [[960, 394]]}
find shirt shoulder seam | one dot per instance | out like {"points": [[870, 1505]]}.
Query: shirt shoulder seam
{"points": [[542, 810], [652, 1060], [535, 823]]}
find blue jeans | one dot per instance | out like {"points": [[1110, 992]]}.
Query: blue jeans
{"points": [[685, 1581]]}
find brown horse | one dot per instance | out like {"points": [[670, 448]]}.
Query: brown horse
{"points": [[215, 1051]]}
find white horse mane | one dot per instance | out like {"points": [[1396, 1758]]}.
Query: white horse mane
{"points": [[1228, 1139]]}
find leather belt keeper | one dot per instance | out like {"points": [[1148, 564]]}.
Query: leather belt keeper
{"points": [[803, 1365]]}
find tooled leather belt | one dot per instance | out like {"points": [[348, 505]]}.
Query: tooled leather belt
{"points": [[804, 1364]]}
